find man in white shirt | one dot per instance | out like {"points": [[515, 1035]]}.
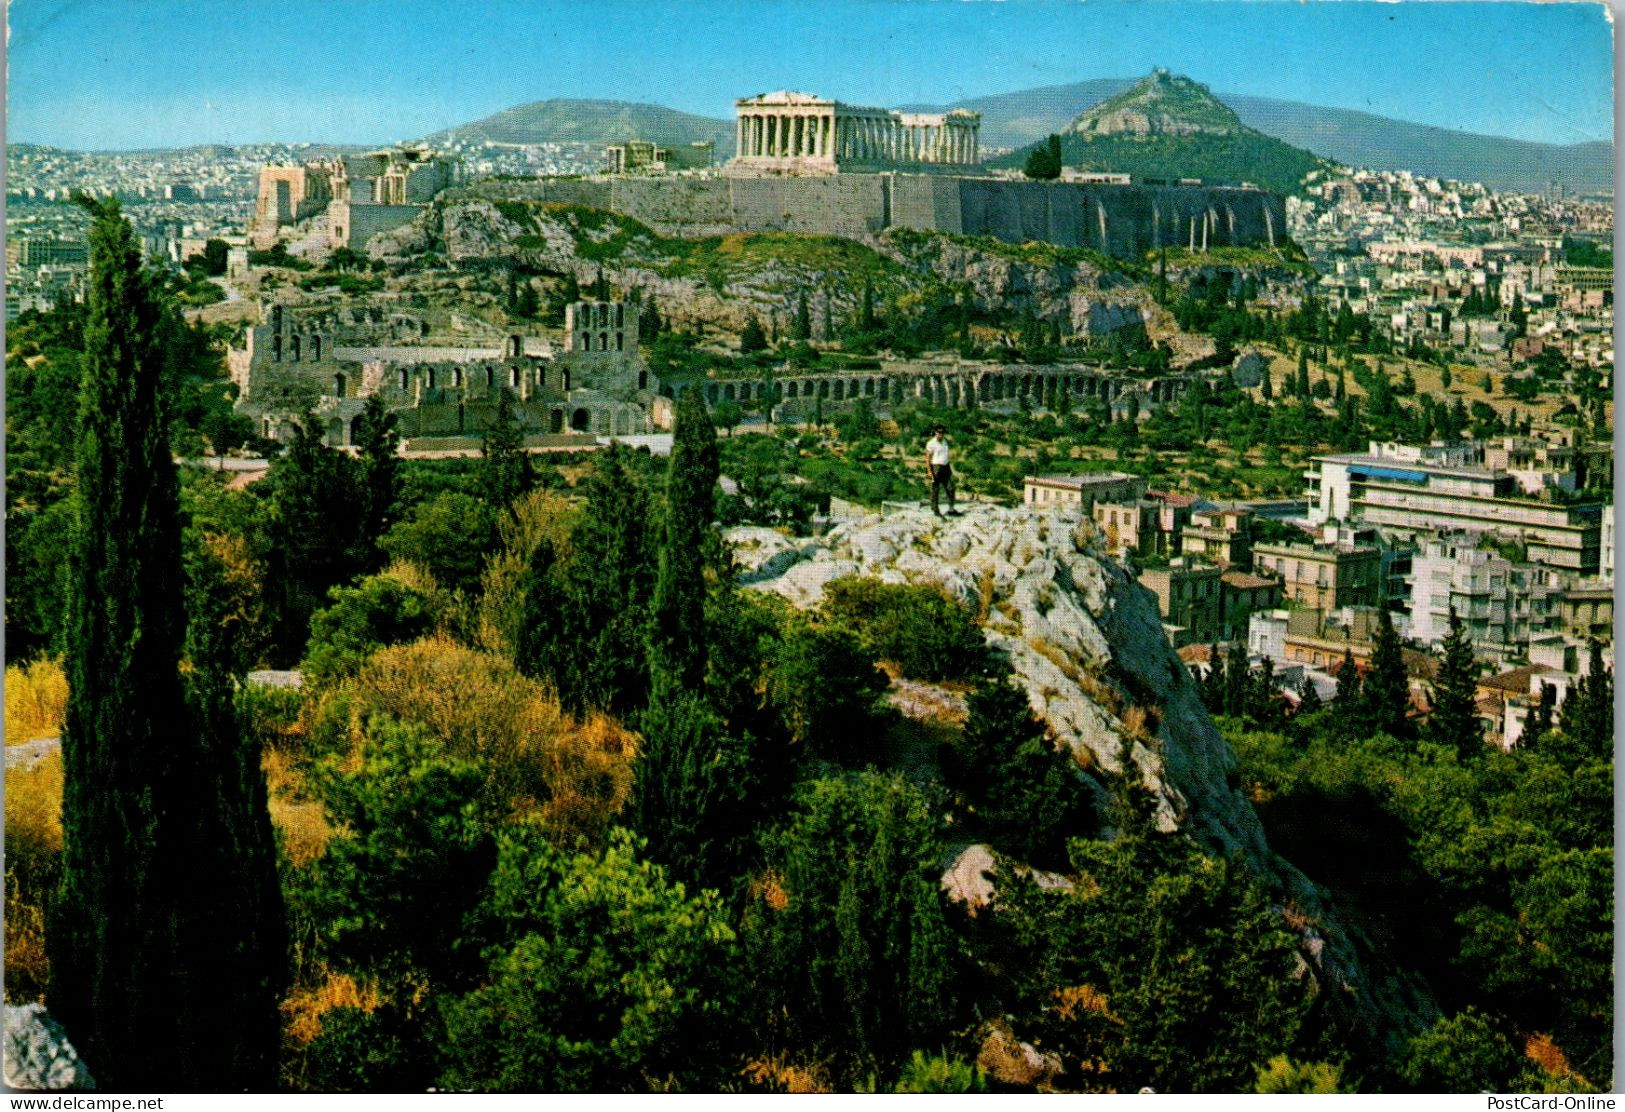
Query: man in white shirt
{"points": [[939, 469]]}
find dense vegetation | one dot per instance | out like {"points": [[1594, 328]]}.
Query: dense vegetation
{"points": [[561, 806]]}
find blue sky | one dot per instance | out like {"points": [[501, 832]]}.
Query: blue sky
{"points": [[123, 74]]}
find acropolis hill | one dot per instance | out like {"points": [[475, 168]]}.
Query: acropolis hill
{"points": [[817, 166]]}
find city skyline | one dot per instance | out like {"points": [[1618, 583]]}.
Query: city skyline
{"points": [[368, 72]]}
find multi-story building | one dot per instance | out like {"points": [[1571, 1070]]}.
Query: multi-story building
{"points": [[1323, 576], [1082, 491], [1187, 599], [1130, 527], [1416, 492], [1240, 597], [1502, 605], [1223, 536]]}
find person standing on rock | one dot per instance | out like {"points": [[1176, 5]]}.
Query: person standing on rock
{"points": [[939, 469]]}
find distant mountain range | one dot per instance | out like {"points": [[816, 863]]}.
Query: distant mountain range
{"points": [[592, 121], [1352, 138]]}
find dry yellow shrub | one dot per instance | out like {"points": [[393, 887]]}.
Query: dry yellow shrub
{"points": [[1546, 1054], [589, 776], [1075, 1000], [1140, 724], [299, 819], [305, 1005], [33, 822], [782, 1076], [478, 706], [36, 700]]}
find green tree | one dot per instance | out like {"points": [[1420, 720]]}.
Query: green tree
{"points": [[448, 535], [316, 543], [605, 976], [1462, 1053], [650, 324], [1027, 791], [1386, 696], [505, 471], [388, 896], [377, 611], [692, 789], [801, 326], [677, 644], [587, 612], [853, 959], [158, 795], [379, 481], [1182, 975], [1454, 722], [1045, 161], [752, 338], [1588, 713], [727, 414]]}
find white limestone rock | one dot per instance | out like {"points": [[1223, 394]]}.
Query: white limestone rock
{"points": [[38, 1055]]}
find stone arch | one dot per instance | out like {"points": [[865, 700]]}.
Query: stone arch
{"points": [[513, 376], [490, 376], [316, 348], [555, 420], [603, 341], [293, 347], [456, 376], [840, 390], [580, 419], [564, 379], [791, 390], [620, 341], [338, 386], [869, 387], [335, 433], [823, 388], [433, 378], [643, 380], [516, 346], [403, 378], [728, 392], [276, 348], [355, 428]]}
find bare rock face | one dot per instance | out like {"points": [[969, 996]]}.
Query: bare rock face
{"points": [[1088, 300], [38, 1055], [1083, 638], [1085, 642]]}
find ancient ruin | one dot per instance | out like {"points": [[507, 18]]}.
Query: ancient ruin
{"points": [[325, 362], [797, 133], [348, 199]]}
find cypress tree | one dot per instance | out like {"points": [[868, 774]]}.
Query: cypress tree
{"points": [[649, 322], [164, 964], [1453, 721], [1539, 722], [315, 533], [1387, 695], [504, 466], [1348, 685], [1235, 681], [1302, 385], [380, 473], [801, 327], [1213, 682], [677, 652]]}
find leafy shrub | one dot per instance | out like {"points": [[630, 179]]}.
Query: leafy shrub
{"points": [[378, 611], [928, 635], [941, 1074], [606, 977]]}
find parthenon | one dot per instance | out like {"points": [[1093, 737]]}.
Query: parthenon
{"points": [[800, 133]]}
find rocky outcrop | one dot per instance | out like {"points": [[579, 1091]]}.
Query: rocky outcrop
{"points": [[1086, 299], [733, 288], [38, 1055], [1085, 642]]}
